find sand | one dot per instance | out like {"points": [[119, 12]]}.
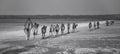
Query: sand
{"points": [[81, 39]]}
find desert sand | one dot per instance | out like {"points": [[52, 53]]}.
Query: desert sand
{"points": [[13, 39]]}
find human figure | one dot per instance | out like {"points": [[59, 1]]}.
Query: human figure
{"points": [[98, 24], [35, 29], [94, 25], [51, 29], [107, 23], [90, 26], [28, 26], [68, 26], [62, 28], [57, 29], [74, 27], [112, 22], [54, 29], [43, 31]]}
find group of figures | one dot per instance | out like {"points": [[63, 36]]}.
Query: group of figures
{"points": [[108, 23], [54, 29], [29, 26], [96, 25]]}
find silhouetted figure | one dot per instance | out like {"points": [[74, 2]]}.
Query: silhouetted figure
{"points": [[107, 23], [76, 26], [68, 26], [90, 26], [51, 30], [43, 31], [62, 29], [57, 29], [28, 26], [54, 29], [112, 22], [35, 29], [73, 27], [95, 25], [98, 24]]}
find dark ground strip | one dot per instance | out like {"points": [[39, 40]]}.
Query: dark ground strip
{"points": [[4, 49], [27, 48], [17, 51]]}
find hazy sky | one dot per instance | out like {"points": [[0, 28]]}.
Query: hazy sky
{"points": [[76, 7]]}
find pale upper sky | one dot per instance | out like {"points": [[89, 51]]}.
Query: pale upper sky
{"points": [[62, 7]]}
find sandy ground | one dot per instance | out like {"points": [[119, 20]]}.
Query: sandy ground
{"points": [[84, 38]]}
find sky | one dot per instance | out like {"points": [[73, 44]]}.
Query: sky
{"points": [[59, 7]]}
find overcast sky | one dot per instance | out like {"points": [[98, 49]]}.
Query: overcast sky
{"points": [[67, 7]]}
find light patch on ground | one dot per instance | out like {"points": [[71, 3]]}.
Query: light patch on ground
{"points": [[36, 50]]}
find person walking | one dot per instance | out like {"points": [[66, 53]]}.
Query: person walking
{"points": [[51, 30], [35, 29], [111, 22], [90, 26], [57, 29], [28, 26], [68, 26], [107, 23], [95, 25], [74, 27], [43, 31], [98, 24], [62, 28], [54, 29]]}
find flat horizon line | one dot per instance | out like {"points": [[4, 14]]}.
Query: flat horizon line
{"points": [[57, 14]]}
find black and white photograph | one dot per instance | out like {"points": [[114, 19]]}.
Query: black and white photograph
{"points": [[59, 26]]}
